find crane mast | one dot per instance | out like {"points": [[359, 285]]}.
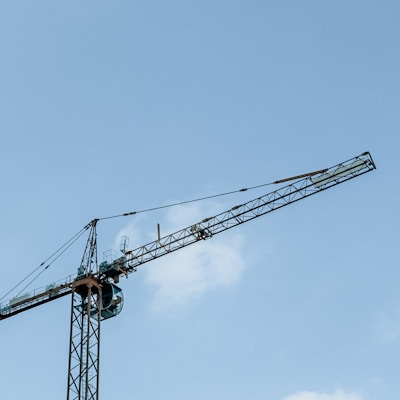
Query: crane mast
{"points": [[95, 296], [86, 308]]}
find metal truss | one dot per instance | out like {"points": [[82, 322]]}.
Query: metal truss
{"points": [[300, 189], [84, 351]]}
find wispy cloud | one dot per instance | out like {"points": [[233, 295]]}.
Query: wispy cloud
{"points": [[187, 274], [388, 324], [181, 278], [337, 395]]}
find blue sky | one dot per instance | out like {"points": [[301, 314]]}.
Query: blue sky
{"points": [[108, 107]]}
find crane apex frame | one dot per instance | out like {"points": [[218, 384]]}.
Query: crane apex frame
{"points": [[95, 296]]}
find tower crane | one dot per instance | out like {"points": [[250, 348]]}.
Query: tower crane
{"points": [[96, 297]]}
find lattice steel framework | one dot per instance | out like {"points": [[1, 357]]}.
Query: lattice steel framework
{"points": [[84, 354], [300, 189], [84, 349]]}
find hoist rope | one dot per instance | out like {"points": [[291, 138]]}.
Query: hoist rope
{"points": [[186, 201], [52, 258], [46, 263]]}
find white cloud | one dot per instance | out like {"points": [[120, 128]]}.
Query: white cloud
{"points": [[187, 274], [130, 231], [337, 395]]}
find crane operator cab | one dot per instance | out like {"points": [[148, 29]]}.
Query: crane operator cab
{"points": [[112, 300]]}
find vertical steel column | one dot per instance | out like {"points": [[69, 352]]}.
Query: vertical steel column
{"points": [[84, 352]]}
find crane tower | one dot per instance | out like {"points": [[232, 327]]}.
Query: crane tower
{"points": [[96, 297]]}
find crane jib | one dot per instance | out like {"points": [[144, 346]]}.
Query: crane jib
{"points": [[300, 189]]}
